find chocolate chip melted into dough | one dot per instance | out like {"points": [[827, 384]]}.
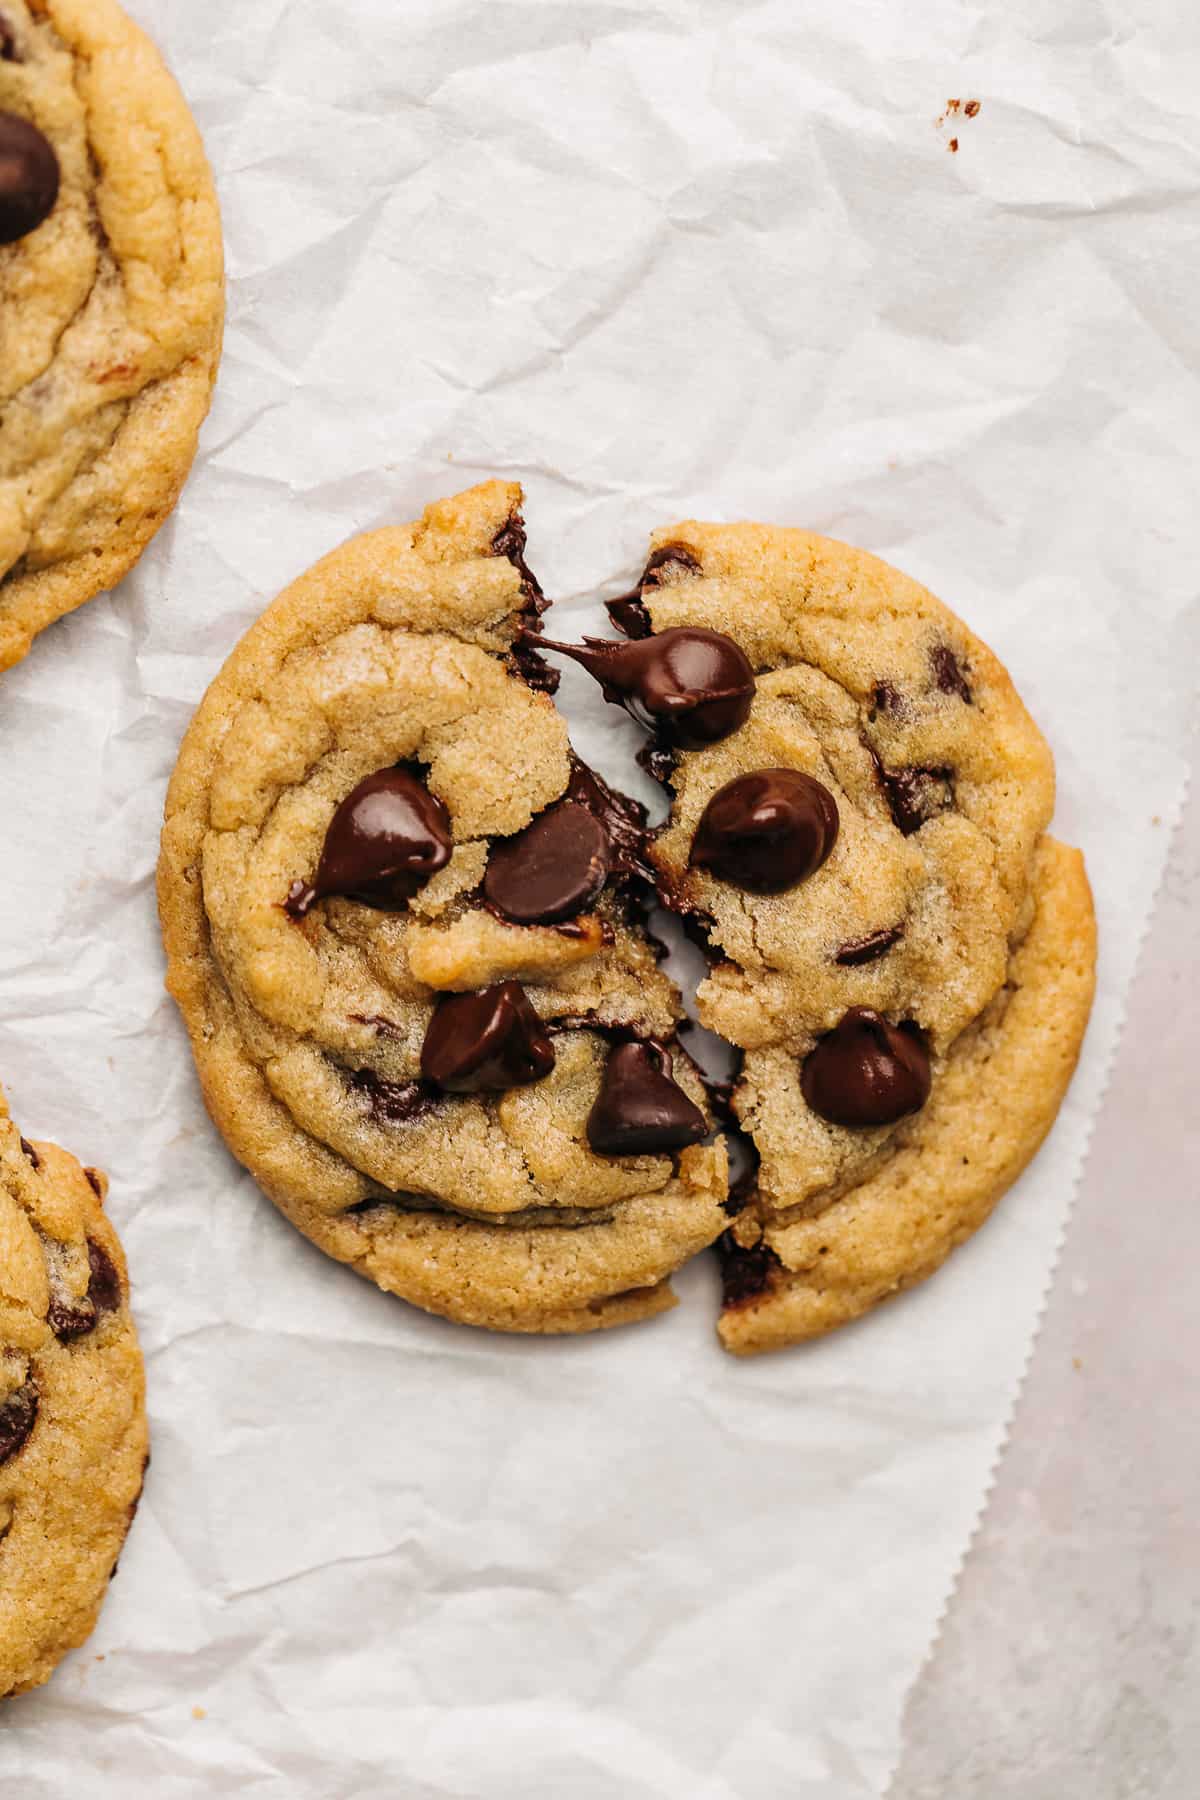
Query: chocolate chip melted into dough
{"points": [[747, 1272], [18, 1415], [70, 1318], [628, 611], [524, 657]]}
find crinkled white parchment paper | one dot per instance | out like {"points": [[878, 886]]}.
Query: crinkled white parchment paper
{"points": [[654, 258]]}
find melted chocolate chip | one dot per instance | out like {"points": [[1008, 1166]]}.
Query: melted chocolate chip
{"points": [[392, 1102], [628, 612], [104, 1283], [868, 949], [490, 1041], [30, 1154], [690, 685], [8, 42], [747, 1272], [766, 831], [385, 841], [95, 1182], [948, 672], [524, 659], [29, 177], [916, 795], [622, 819], [18, 1416], [551, 870], [640, 1110], [659, 761], [866, 1071]]}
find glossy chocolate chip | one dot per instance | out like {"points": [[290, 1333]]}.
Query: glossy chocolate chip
{"points": [[18, 1415], [692, 686], [551, 870], [948, 672], [640, 1110], [29, 177], [766, 831], [385, 841], [866, 1071], [622, 820], [747, 1271], [868, 949], [489, 1041]]}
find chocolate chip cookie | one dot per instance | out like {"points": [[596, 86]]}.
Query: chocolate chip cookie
{"points": [[72, 1406], [903, 959], [111, 304], [403, 926]]}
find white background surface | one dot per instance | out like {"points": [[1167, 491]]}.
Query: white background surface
{"points": [[653, 259]]}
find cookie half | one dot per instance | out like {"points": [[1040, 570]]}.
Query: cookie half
{"points": [[111, 304], [73, 1441], [402, 925], [859, 802]]}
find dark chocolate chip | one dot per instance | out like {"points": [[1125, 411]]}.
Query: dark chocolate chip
{"points": [[385, 841], [8, 42], [690, 685], [747, 1271], [491, 1040], [868, 949], [551, 870], [95, 1182], [18, 1415], [766, 831], [628, 612], [29, 177], [392, 1102], [640, 1110], [866, 1071], [948, 672], [623, 820], [916, 795], [30, 1154], [104, 1283]]}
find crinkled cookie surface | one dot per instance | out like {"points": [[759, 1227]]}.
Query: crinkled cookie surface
{"points": [[72, 1406], [491, 1162], [111, 310]]}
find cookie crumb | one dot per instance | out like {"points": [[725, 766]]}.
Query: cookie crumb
{"points": [[953, 146], [971, 109], [198, 1712], [1077, 1362]]}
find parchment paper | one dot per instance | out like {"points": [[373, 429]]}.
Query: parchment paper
{"points": [[654, 258]]}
